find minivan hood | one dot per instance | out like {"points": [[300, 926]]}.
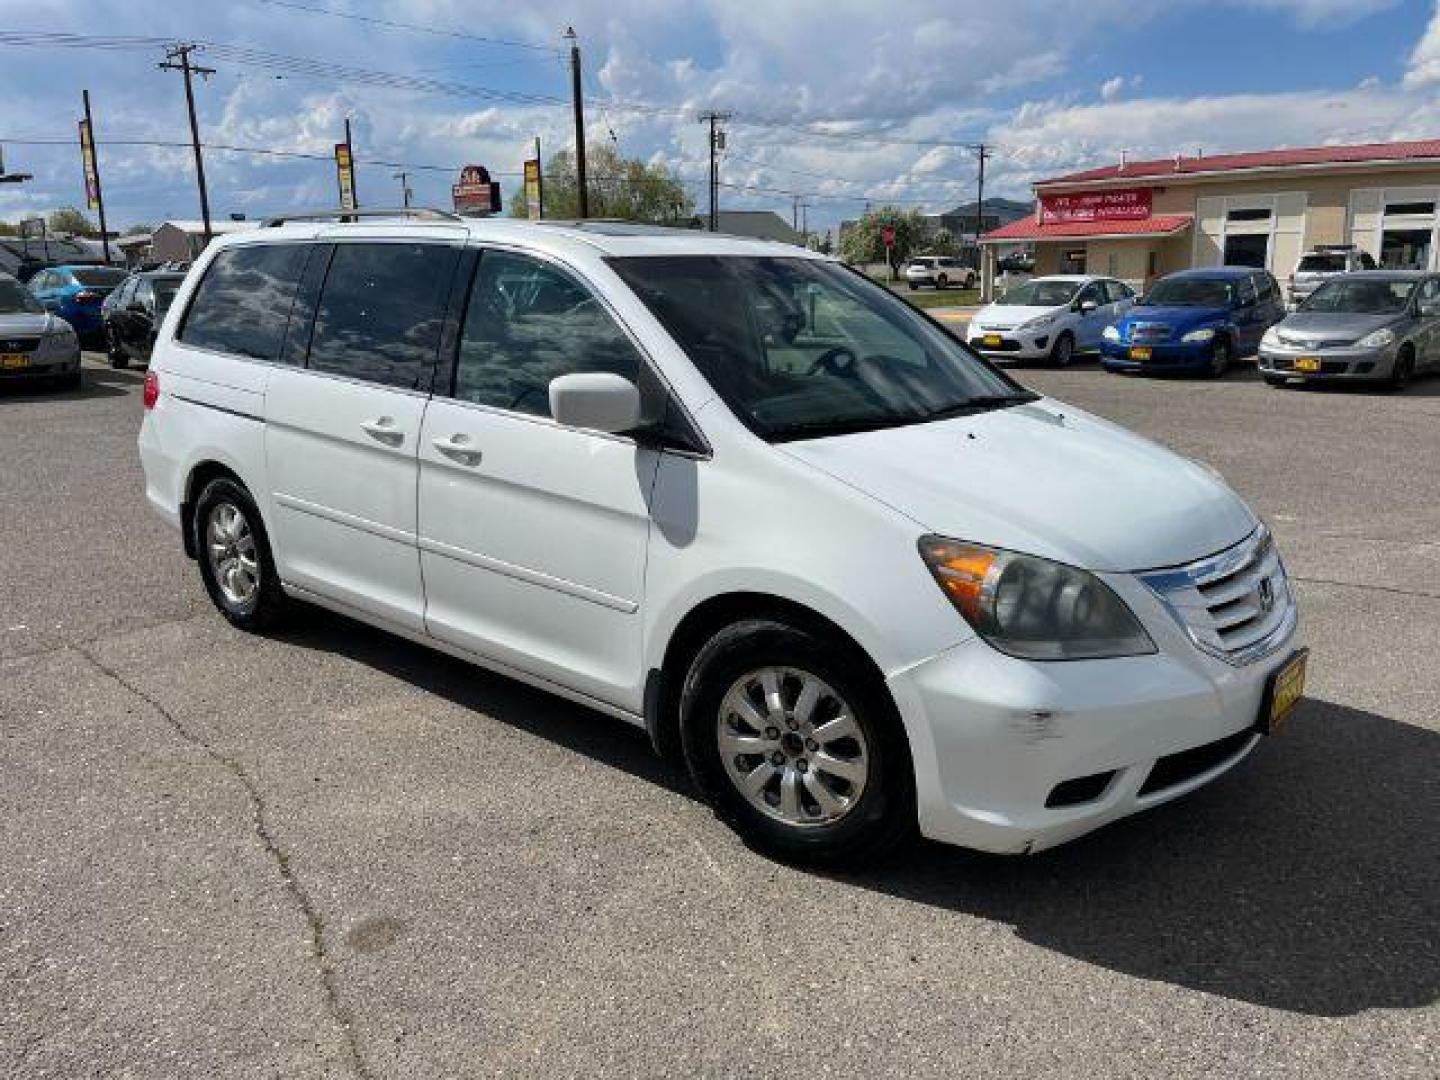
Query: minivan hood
{"points": [[1043, 479]]}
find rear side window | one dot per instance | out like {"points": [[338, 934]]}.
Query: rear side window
{"points": [[242, 303], [528, 322], [102, 276], [381, 311]]}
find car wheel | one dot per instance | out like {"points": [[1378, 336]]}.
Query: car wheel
{"points": [[233, 550], [1404, 368], [1276, 380], [1063, 351], [1219, 358], [117, 356], [942, 282], [797, 745], [911, 286]]}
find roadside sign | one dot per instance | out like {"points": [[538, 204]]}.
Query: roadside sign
{"points": [[87, 159], [887, 234], [532, 189], [476, 193], [345, 174]]}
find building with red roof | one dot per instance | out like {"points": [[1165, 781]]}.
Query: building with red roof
{"points": [[1139, 220]]}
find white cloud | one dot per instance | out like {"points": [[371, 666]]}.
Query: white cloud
{"points": [[1423, 68]]}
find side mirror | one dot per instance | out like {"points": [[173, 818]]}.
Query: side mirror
{"points": [[599, 401], [1085, 307]]}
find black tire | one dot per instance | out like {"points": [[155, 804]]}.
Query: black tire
{"points": [[1220, 357], [1403, 371], [970, 280], [268, 604], [119, 359], [942, 282], [1062, 351], [69, 381], [911, 286], [1276, 380], [882, 817]]}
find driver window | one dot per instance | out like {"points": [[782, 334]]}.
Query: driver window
{"points": [[526, 323], [1090, 295]]}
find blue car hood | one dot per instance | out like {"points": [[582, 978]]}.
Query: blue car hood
{"points": [[1180, 318]]}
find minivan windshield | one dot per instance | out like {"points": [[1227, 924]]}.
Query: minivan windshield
{"points": [[1361, 296], [800, 348], [1041, 293], [1190, 292], [15, 299]]}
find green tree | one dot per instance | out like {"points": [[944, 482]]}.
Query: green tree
{"points": [[8, 229], [624, 188], [943, 243], [864, 241], [70, 220]]}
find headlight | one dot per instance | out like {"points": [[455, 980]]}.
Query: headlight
{"points": [[1271, 340], [1195, 337], [1037, 323], [1378, 340], [1111, 333], [1033, 608]]}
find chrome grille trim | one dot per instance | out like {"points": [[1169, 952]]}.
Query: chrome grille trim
{"points": [[1220, 600]]}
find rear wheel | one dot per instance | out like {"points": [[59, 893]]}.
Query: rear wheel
{"points": [[942, 282], [797, 745], [233, 550], [911, 285], [113, 350]]}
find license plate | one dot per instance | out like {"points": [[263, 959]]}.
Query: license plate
{"points": [[1284, 691], [1307, 363], [991, 341], [1140, 352], [14, 360]]}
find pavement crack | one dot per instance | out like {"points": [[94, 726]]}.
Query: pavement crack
{"points": [[1417, 594], [294, 889]]}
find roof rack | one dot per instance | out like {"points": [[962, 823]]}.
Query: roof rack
{"points": [[425, 213]]}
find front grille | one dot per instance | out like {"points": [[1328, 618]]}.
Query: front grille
{"points": [[1173, 769], [1315, 343], [1236, 605], [1149, 332], [14, 345]]}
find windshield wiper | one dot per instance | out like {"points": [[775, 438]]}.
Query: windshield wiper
{"points": [[980, 403], [814, 429]]}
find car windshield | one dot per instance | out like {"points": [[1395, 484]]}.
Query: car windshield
{"points": [[165, 289], [800, 348], [1358, 296], [1041, 294], [1321, 264], [1190, 292], [103, 276], [15, 299]]}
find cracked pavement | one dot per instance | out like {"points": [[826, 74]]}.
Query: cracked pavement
{"points": [[333, 853]]}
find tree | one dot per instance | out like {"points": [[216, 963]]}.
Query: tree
{"points": [[943, 243], [864, 241], [70, 220], [8, 229], [624, 188]]}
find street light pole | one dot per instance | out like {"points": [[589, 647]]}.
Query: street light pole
{"points": [[578, 100]]}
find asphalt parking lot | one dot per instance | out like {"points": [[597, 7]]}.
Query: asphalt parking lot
{"points": [[333, 853]]}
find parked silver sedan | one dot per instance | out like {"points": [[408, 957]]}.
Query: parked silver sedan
{"points": [[1373, 326], [34, 344]]}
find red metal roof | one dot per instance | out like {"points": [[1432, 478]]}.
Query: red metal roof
{"points": [[1027, 228], [1265, 159]]}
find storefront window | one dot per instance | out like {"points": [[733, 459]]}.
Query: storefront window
{"points": [[1072, 262], [1405, 249], [1247, 250]]}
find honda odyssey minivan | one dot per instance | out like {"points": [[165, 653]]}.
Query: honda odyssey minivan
{"points": [[735, 493]]}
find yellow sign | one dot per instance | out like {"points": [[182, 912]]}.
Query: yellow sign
{"points": [[345, 173], [533, 204], [87, 159]]}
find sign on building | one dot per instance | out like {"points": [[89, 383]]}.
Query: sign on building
{"points": [[476, 193], [1114, 204]]}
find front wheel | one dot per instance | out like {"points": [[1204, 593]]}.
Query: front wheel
{"points": [[1219, 358], [116, 353], [1063, 351], [942, 282], [236, 564], [1276, 380], [1403, 370], [797, 745]]}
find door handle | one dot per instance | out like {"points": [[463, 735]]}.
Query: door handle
{"points": [[384, 430], [459, 448]]}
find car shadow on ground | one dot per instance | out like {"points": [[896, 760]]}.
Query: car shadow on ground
{"points": [[94, 383], [1306, 880]]}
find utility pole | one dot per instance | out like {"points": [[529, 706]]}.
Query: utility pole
{"points": [[982, 152], [405, 192], [582, 193], [99, 194], [177, 58], [717, 142]]}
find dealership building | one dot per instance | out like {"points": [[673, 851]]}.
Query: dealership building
{"points": [[1139, 220]]}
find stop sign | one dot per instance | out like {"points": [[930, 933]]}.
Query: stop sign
{"points": [[887, 234]]}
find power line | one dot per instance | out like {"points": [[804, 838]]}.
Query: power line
{"points": [[396, 24]]}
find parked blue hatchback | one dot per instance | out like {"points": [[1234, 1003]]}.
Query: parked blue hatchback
{"points": [[1195, 321], [75, 293]]}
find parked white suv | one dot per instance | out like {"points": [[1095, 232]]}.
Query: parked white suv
{"points": [[732, 492], [941, 271], [1051, 318]]}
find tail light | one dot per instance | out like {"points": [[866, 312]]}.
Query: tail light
{"points": [[86, 296], [151, 393]]}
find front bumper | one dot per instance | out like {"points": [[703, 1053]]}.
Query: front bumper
{"points": [[995, 738], [1335, 364], [1164, 356], [1014, 344]]}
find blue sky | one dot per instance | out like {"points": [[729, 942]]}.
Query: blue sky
{"points": [[1054, 85]]}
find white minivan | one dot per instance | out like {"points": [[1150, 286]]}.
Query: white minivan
{"points": [[733, 492]]}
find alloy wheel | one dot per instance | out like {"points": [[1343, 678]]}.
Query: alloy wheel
{"points": [[792, 747], [230, 547]]}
